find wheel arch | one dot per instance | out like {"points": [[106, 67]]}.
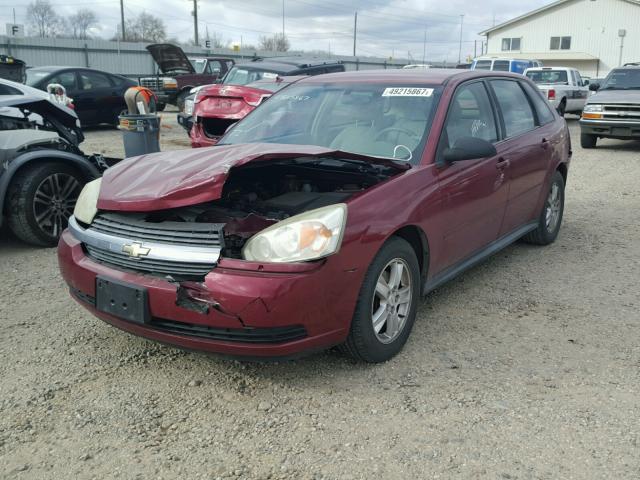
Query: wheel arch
{"points": [[416, 237], [29, 158], [564, 171]]}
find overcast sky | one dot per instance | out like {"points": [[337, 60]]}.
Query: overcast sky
{"points": [[385, 27]]}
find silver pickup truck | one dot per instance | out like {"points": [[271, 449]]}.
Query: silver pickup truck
{"points": [[563, 87], [613, 111]]}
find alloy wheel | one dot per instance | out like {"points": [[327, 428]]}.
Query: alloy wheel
{"points": [[554, 204], [391, 301], [54, 201]]}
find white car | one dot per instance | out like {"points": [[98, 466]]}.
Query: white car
{"points": [[563, 87]]}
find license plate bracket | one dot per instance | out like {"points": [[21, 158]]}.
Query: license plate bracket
{"points": [[123, 300]]}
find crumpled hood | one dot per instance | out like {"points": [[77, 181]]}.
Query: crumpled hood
{"points": [[180, 178], [615, 96]]}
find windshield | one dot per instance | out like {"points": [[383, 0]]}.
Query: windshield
{"points": [[549, 76], [198, 64], [624, 79], [371, 119], [34, 76], [243, 76]]}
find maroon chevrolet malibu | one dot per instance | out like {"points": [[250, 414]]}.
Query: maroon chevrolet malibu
{"points": [[322, 217]]}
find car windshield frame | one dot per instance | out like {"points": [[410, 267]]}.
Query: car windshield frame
{"points": [[196, 62], [545, 73], [635, 73], [265, 124]]}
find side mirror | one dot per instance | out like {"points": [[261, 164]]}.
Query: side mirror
{"points": [[585, 83], [469, 148], [594, 87]]}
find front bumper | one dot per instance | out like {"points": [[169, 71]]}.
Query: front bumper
{"points": [[611, 129], [250, 313]]}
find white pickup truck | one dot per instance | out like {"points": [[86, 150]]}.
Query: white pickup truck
{"points": [[564, 88]]}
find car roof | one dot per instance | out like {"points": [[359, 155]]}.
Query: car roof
{"points": [[431, 76]]}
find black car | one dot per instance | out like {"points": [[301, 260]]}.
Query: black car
{"points": [[98, 96], [262, 68]]}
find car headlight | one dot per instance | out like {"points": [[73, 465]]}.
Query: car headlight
{"points": [[169, 83], [308, 236], [87, 203], [592, 108]]}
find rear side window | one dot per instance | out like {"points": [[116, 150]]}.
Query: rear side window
{"points": [[545, 115], [516, 110], [91, 80], [501, 66]]}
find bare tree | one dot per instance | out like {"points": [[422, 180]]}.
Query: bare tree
{"points": [[42, 19], [81, 22], [145, 28], [278, 42]]}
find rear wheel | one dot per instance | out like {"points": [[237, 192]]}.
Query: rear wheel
{"points": [[551, 217], [562, 108], [588, 140], [387, 304], [41, 199]]}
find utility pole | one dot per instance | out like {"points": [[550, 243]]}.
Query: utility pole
{"points": [[195, 23], [122, 19], [475, 48], [424, 46], [283, 20], [460, 49], [355, 31]]}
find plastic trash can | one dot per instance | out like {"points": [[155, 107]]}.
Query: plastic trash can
{"points": [[140, 133]]}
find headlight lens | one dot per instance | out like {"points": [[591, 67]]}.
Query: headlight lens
{"points": [[308, 236], [591, 108], [87, 203]]}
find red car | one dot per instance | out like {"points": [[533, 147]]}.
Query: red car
{"points": [[217, 107], [322, 217]]}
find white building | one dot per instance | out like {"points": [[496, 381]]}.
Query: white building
{"points": [[593, 36]]}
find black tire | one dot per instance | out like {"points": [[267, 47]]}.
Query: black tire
{"points": [[562, 108], [546, 233], [160, 107], [182, 96], [25, 209], [588, 141], [363, 342]]}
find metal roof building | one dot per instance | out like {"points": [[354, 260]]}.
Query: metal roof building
{"points": [[593, 36]]}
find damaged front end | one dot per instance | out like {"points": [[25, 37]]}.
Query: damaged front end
{"points": [[185, 243]]}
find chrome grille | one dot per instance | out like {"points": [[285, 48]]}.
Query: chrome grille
{"points": [[152, 83], [171, 233], [622, 112], [165, 267]]}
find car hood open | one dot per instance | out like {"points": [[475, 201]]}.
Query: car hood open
{"points": [[170, 58], [174, 179]]}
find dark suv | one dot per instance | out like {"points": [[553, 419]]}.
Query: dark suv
{"points": [[614, 111]]}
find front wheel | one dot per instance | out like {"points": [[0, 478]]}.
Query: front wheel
{"points": [[387, 304], [41, 200], [588, 141], [551, 217]]}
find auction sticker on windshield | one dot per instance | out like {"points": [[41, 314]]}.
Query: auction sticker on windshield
{"points": [[407, 92]]}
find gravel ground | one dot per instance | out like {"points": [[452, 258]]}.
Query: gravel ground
{"points": [[526, 367]]}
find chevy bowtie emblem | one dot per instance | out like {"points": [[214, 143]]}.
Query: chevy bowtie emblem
{"points": [[136, 250]]}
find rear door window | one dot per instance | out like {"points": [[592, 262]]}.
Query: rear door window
{"points": [[93, 80], [516, 111]]}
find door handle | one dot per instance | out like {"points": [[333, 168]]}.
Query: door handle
{"points": [[545, 143], [502, 163]]}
